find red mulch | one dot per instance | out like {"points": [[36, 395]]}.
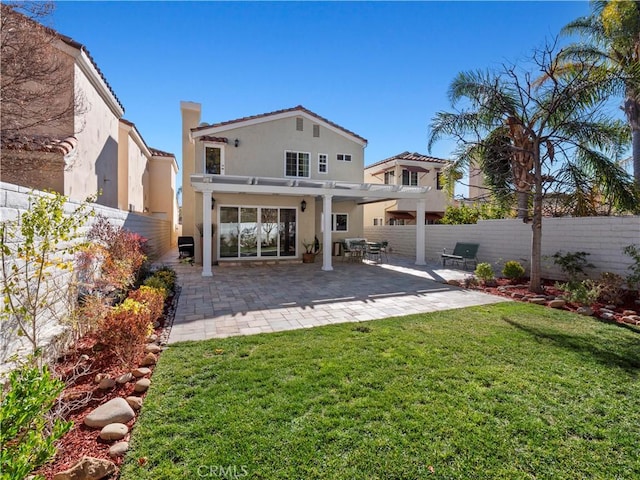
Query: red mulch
{"points": [[521, 290], [82, 440]]}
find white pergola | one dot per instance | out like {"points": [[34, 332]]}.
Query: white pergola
{"points": [[329, 191]]}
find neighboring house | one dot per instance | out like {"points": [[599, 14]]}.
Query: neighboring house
{"points": [[88, 148], [407, 169], [260, 187]]}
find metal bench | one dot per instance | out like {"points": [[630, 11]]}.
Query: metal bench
{"points": [[463, 253]]}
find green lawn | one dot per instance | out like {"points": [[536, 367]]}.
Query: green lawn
{"points": [[509, 391]]}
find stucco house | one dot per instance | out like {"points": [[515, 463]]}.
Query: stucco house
{"points": [[80, 144], [407, 169], [258, 188]]}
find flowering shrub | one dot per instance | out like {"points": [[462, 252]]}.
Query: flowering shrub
{"points": [[152, 297], [125, 328]]}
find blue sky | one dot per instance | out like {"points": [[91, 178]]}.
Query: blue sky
{"points": [[380, 69]]}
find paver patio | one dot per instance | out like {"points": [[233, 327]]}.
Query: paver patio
{"points": [[262, 298]]}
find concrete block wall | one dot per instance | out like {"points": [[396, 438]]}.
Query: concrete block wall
{"points": [[501, 240], [14, 200]]}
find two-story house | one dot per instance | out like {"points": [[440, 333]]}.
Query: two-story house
{"points": [[260, 187], [407, 169], [64, 130]]}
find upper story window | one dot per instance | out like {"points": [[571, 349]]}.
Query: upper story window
{"points": [[316, 130], [390, 177], [323, 163], [213, 160], [409, 178], [296, 164], [299, 124], [344, 157], [439, 180]]}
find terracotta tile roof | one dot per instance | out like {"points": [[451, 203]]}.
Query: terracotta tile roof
{"points": [[159, 153], [77, 45], [416, 157], [298, 108], [35, 143]]}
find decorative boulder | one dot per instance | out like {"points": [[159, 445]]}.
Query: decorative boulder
{"points": [[106, 383], [118, 449], [141, 372], [122, 379], [114, 431], [152, 348], [134, 402], [141, 386], [148, 360], [88, 468], [116, 410], [557, 303]]}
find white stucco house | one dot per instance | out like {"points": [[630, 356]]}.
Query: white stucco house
{"points": [[260, 187]]}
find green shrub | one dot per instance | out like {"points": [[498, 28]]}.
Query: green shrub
{"points": [[513, 270], [152, 297], [611, 288], [157, 283], [572, 264], [633, 279], [125, 328], [484, 271], [168, 276], [27, 436], [584, 293]]}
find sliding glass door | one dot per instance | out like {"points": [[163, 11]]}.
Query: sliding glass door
{"points": [[247, 232]]}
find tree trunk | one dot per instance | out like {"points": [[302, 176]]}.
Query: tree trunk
{"points": [[535, 283], [632, 110], [523, 205]]}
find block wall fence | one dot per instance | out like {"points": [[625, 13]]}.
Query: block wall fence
{"points": [[14, 200], [501, 240]]}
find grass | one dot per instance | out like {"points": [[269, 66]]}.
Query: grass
{"points": [[509, 391]]}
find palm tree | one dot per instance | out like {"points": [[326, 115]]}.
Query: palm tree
{"points": [[534, 130], [612, 38]]}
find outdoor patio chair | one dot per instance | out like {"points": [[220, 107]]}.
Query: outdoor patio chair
{"points": [[373, 252], [463, 254], [185, 247], [384, 247]]}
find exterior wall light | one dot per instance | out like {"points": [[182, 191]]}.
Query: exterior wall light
{"points": [[303, 205], [236, 142]]}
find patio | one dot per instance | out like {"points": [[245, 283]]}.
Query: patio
{"points": [[264, 298]]}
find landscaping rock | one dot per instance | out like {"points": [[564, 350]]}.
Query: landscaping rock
{"points": [[611, 307], [118, 449], [106, 383], [607, 310], [141, 372], [116, 410], [114, 431], [99, 377], [628, 313], [134, 402], [88, 468], [122, 379], [152, 338], [148, 360], [455, 283], [152, 348], [537, 300], [141, 386], [607, 315], [587, 311], [557, 303], [517, 295], [631, 319]]}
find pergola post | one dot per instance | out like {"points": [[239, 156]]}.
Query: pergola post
{"points": [[420, 232], [206, 234], [326, 233]]}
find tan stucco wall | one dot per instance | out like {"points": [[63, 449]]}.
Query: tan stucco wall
{"points": [[136, 175], [190, 119], [96, 164], [261, 150], [436, 200], [123, 166], [162, 191]]}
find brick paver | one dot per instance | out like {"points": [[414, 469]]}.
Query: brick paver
{"points": [[263, 298]]}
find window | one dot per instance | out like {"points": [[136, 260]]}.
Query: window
{"points": [[323, 163], [344, 157], [296, 164], [339, 222], [316, 130], [299, 124], [439, 181], [390, 177], [409, 178], [213, 160], [377, 222]]}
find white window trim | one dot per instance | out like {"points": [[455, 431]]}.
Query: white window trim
{"points": [[326, 164], [221, 146], [344, 155], [333, 222], [285, 164], [410, 175]]}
